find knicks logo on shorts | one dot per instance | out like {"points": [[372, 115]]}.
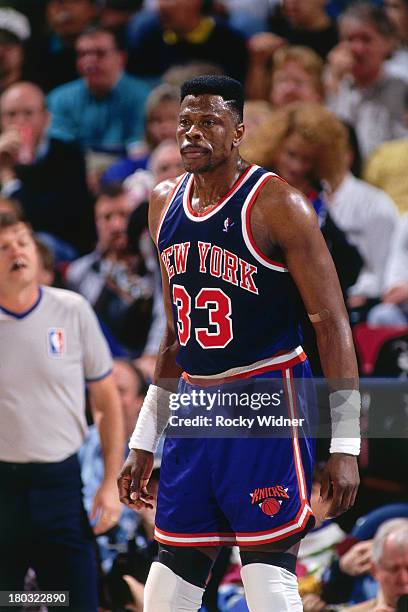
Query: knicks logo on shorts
{"points": [[56, 342], [269, 499]]}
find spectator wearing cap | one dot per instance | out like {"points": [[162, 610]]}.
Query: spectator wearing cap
{"points": [[104, 109], [14, 32]]}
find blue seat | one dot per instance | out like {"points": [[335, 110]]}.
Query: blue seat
{"points": [[367, 525]]}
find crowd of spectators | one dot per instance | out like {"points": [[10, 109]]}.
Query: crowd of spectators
{"points": [[89, 97]]}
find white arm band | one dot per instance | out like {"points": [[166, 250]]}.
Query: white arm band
{"points": [[345, 421], [152, 421]]}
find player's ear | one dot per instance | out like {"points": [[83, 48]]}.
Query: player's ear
{"points": [[239, 135]]}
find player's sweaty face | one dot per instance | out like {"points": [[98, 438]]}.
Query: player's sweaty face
{"points": [[205, 133]]}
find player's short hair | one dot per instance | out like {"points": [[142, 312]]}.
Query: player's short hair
{"points": [[365, 12], [229, 89]]}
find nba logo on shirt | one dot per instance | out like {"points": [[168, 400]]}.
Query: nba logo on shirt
{"points": [[227, 224], [56, 342]]}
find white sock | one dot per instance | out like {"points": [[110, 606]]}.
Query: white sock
{"points": [[269, 587], [167, 592]]}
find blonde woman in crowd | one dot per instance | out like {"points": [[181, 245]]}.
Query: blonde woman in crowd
{"points": [[304, 143]]}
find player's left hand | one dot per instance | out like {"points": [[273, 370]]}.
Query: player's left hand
{"points": [[340, 483], [106, 507], [133, 480]]}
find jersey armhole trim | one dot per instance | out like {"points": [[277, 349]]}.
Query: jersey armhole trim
{"points": [[166, 208], [246, 225]]}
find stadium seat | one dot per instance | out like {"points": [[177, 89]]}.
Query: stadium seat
{"points": [[369, 340]]}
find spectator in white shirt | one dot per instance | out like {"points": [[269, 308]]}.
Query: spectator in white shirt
{"points": [[360, 90], [393, 309]]}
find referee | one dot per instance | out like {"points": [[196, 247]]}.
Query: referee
{"points": [[50, 344]]}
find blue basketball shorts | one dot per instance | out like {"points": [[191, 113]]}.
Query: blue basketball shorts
{"points": [[242, 488]]}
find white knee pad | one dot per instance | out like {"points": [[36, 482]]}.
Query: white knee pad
{"points": [[167, 592], [269, 587]]}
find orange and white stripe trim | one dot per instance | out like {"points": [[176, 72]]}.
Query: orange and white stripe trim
{"points": [[240, 539], [278, 362], [193, 539], [291, 397], [246, 225]]}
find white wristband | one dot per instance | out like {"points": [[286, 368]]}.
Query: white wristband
{"points": [[152, 421], [345, 421]]}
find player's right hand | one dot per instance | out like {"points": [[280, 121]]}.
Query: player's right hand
{"points": [[133, 480]]}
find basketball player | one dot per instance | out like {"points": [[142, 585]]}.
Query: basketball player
{"points": [[236, 243]]}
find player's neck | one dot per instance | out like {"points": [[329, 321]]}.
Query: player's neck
{"points": [[20, 301], [210, 187]]}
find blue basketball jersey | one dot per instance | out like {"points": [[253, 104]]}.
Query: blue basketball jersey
{"points": [[232, 305]]}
